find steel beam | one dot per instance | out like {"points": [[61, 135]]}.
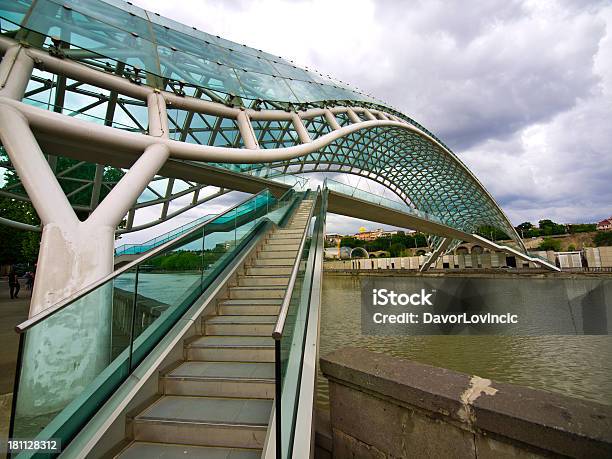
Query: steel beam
{"points": [[439, 250]]}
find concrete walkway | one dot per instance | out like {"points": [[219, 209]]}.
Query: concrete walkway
{"points": [[12, 312]]}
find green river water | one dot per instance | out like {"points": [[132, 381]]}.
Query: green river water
{"points": [[579, 366]]}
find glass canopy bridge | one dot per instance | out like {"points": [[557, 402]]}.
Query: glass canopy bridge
{"points": [[107, 110]]}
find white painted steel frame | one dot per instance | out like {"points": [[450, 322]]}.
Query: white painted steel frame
{"points": [[45, 122]]}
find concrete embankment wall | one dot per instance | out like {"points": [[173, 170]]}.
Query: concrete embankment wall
{"points": [[383, 407], [462, 261], [598, 257], [594, 258]]}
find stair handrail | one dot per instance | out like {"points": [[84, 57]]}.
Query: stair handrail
{"points": [[56, 307], [178, 231], [277, 334]]}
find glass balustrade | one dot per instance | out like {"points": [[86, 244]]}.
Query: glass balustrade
{"points": [[289, 345], [80, 354]]}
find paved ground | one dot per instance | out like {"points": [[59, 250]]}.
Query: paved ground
{"points": [[12, 312]]}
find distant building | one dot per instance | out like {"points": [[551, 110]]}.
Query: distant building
{"points": [[364, 235], [605, 225], [333, 238]]}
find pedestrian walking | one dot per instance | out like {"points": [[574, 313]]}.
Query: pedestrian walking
{"points": [[14, 284]]}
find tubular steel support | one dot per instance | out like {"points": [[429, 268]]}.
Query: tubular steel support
{"points": [[442, 246]]}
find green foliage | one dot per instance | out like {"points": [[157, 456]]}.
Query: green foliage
{"points": [[582, 228], [603, 238], [492, 233], [397, 249], [21, 246], [397, 245], [525, 226], [546, 228], [571, 248], [18, 246], [550, 244], [187, 260]]}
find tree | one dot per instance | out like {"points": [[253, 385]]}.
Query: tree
{"points": [[548, 228], [22, 245], [525, 226], [603, 239], [582, 228], [489, 231], [550, 244], [396, 249], [18, 246]]}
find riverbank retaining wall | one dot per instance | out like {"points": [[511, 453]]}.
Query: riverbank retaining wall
{"points": [[484, 260], [382, 407], [591, 258]]}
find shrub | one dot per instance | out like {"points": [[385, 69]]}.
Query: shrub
{"points": [[603, 239], [550, 244]]}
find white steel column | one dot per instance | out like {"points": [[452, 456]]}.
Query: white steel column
{"points": [[300, 129], [73, 254], [17, 65], [331, 120], [158, 117], [246, 131], [353, 116], [442, 246]]}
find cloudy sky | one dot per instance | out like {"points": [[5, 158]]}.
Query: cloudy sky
{"points": [[520, 90]]}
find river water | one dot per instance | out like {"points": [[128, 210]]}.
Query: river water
{"points": [[579, 366]]}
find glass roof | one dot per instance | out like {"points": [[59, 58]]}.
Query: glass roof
{"points": [[160, 46]]}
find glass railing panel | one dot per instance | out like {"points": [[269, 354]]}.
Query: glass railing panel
{"points": [[135, 249], [291, 343], [79, 351], [85, 350], [166, 287]]}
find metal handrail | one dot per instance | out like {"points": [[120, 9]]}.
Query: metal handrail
{"points": [[23, 326], [277, 334], [176, 232]]}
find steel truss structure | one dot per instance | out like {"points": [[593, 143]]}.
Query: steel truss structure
{"points": [[111, 87]]}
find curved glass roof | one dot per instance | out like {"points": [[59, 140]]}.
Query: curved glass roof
{"points": [[165, 48], [118, 37]]}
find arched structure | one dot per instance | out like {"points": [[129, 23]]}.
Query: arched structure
{"points": [[363, 252], [222, 94], [103, 86]]}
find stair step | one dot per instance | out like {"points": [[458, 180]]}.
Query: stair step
{"points": [[274, 262], [246, 281], [271, 254], [287, 242], [245, 319], [249, 292], [268, 270], [252, 310], [252, 302], [205, 421], [140, 449], [246, 325], [221, 379], [231, 348]]}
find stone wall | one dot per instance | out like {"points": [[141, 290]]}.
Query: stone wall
{"points": [[485, 260], [383, 407], [598, 257]]}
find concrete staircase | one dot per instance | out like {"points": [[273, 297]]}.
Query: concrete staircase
{"points": [[217, 402]]}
